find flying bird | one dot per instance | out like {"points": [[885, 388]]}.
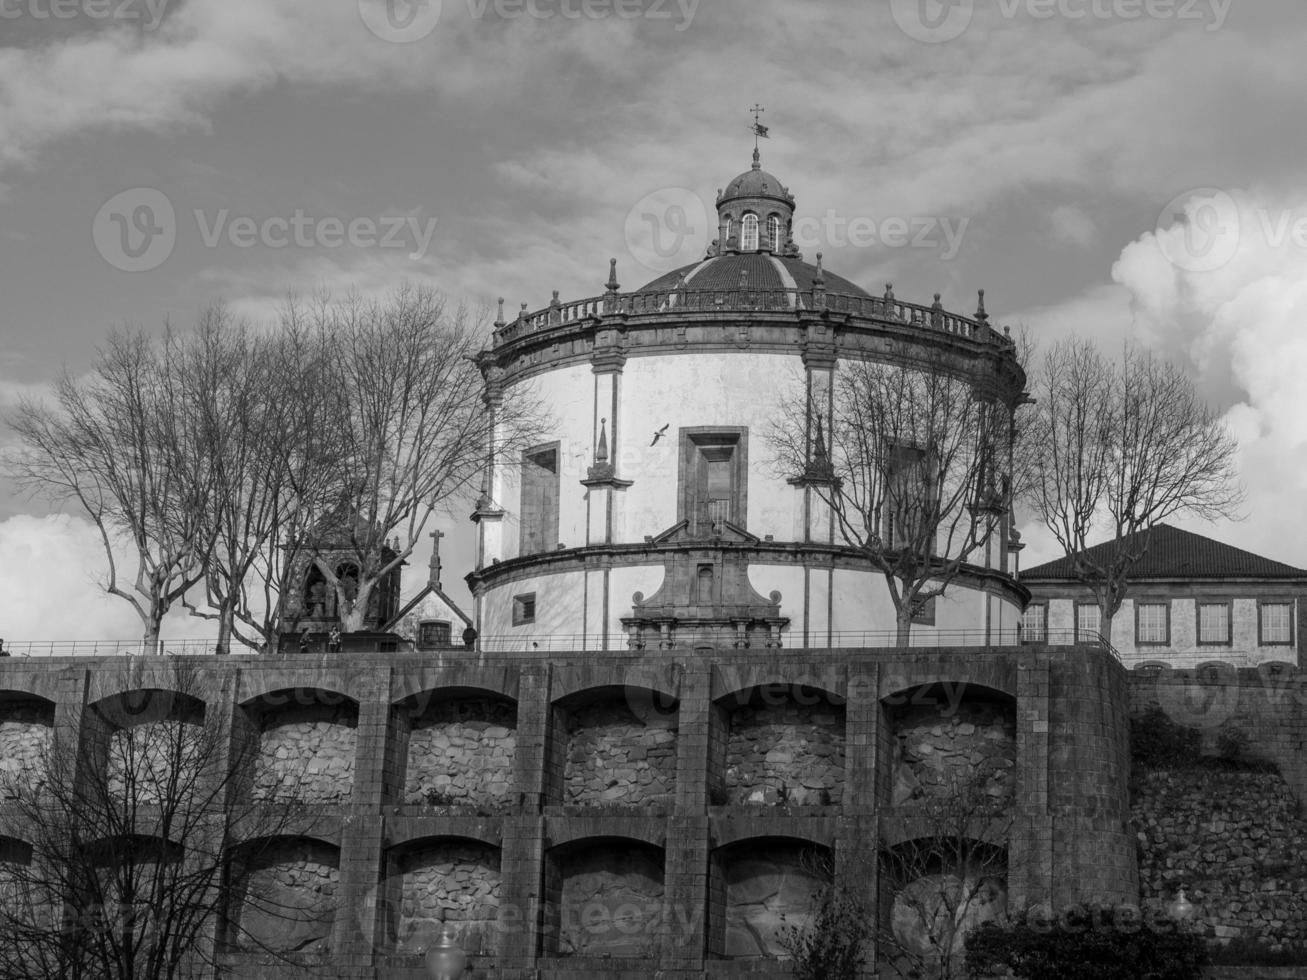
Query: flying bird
{"points": [[659, 434]]}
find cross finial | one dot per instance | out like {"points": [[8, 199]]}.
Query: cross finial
{"points": [[759, 131], [434, 578]]}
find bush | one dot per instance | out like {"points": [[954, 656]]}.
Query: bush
{"points": [[1247, 951], [1085, 947]]}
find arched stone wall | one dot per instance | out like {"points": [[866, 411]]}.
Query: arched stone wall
{"points": [[461, 751], [761, 887], [306, 747], [616, 756], [606, 897], [285, 900], [453, 881], [26, 733], [784, 746], [947, 741]]}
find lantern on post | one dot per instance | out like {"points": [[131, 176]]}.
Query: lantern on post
{"points": [[446, 959]]}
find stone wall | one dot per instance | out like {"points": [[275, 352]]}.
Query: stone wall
{"points": [[769, 886], [141, 760], [460, 753], [289, 903], [786, 754], [25, 732], [1235, 841], [615, 759], [449, 881], [611, 901], [306, 753], [938, 751]]}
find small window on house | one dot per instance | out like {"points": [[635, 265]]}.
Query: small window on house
{"points": [[749, 234], [1153, 623], [524, 609], [1275, 623], [1214, 623], [774, 234], [712, 484], [1089, 622], [539, 499], [923, 612], [433, 634], [1034, 623]]}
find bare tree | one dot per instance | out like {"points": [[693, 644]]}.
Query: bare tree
{"points": [[912, 462], [835, 942], [949, 878], [256, 401], [409, 426], [1120, 446], [116, 444], [136, 836]]}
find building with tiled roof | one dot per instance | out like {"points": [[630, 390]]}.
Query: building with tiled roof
{"points": [[1191, 600]]}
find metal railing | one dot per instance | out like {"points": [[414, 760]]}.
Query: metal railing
{"points": [[115, 648]]}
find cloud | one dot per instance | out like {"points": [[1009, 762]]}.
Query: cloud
{"points": [[50, 587], [1072, 224]]}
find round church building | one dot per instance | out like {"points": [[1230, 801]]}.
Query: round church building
{"points": [[656, 511]]}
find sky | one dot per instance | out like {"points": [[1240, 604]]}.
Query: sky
{"points": [[1115, 169]]}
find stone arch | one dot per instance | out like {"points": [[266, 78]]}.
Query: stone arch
{"points": [[298, 744], [26, 735], [950, 741], [616, 747], [758, 887], [604, 897], [780, 744], [283, 894], [139, 740], [457, 747], [432, 880]]}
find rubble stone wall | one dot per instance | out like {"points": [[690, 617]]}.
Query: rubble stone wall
{"points": [[611, 902], [786, 754], [25, 732], [306, 753], [937, 752], [768, 887], [460, 753], [456, 882], [290, 904], [615, 759]]}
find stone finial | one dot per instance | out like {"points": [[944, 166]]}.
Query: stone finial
{"points": [[981, 315], [821, 276], [499, 320], [937, 305], [612, 276], [889, 291], [521, 314], [601, 453], [757, 159], [554, 301]]}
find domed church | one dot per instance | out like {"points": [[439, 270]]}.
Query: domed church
{"points": [[655, 514]]}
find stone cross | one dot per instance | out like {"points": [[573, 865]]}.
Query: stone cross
{"points": [[434, 578]]}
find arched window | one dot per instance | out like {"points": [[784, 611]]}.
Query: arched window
{"points": [[749, 236], [774, 234], [726, 230]]}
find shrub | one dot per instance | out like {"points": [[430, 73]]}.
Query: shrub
{"points": [[1085, 947]]}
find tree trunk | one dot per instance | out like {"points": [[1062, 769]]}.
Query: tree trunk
{"points": [[1105, 625], [903, 624], [353, 614], [150, 642], [226, 615]]}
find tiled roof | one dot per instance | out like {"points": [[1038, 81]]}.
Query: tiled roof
{"points": [[1176, 554], [723, 272]]}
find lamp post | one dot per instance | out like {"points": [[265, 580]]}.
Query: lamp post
{"points": [[446, 959], [1180, 908]]}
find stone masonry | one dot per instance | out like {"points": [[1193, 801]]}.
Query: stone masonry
{"points": [[676, 886]]}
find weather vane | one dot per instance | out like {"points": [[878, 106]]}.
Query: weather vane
{"points": [[759, 130]]}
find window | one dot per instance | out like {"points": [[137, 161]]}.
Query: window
{"points": [[726, 230], [1089, 622], [774, 234], [1152, 623], [911, 504], [524, 609], [539, 499], [1034, 623], [923, 612], [1275, 623], [749, 236], [433, 633], [713, 485], [1214, 624]]}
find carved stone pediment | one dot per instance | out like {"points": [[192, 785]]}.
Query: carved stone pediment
{"points": [[722, 532]]}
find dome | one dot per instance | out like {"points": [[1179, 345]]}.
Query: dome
{"points": [[755, 270], [755, 183]]}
